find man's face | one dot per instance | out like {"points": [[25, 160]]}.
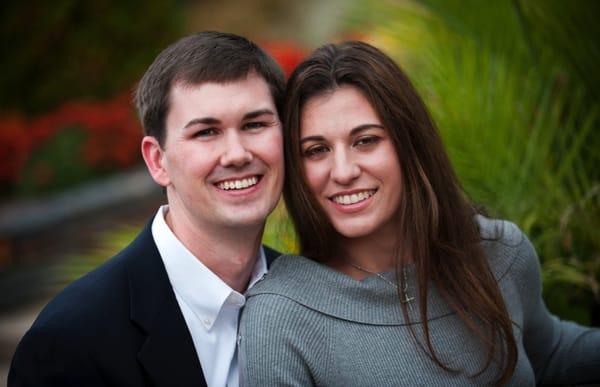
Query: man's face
{"points": [[222, 160]]}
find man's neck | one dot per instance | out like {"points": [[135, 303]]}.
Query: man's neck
{"points": [[229, 253]]}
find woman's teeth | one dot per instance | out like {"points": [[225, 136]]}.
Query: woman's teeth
{"points": [[353, 198]]}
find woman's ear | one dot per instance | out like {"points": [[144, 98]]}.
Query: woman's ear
{"points": [[154, 157]]}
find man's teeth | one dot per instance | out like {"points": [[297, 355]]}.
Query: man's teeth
{"points": [[354, 198], [238, 184]]}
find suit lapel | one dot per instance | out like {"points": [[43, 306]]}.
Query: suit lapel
{"points": [[168, 354]]}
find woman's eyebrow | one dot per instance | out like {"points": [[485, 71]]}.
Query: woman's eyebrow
{"points": [[311, 138], [360, 128], [353, 132]]}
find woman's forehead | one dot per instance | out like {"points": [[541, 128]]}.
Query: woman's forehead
{"points": [[342, 109]]}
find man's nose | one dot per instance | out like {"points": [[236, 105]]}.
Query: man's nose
{"points": [[235, 152], [344, 169]]}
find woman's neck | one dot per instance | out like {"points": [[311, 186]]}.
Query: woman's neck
{"points": [[370, 254]]}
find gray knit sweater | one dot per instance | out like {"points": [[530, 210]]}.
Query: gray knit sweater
{"points": [[307, 324]]}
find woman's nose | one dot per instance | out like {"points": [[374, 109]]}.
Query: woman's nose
{"points": [[344, 169]]}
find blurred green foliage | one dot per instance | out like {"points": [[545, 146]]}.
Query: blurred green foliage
{"points": [[55, 165], [66, 49], [108, 243], [513, 88], [279, 231]]}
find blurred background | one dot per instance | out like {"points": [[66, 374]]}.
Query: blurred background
{"points": [[512, 84]]}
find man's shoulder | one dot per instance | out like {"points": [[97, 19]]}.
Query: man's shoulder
{"points": [[99, 322], [96, 298], [85, 302]]}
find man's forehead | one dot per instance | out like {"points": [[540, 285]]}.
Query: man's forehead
{"points": [[253, 83], [221, 101], [183, 83]]}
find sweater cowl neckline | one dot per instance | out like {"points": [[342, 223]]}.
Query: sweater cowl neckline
{"points": [[373, 300], [328, 291]]}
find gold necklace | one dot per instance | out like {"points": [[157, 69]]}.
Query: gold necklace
{"points": [[405, 297]]}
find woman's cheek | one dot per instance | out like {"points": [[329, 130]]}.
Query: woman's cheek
{"points": [[316, 176]]}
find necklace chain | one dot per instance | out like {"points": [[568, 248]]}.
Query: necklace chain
{"points": [[405, 297]]}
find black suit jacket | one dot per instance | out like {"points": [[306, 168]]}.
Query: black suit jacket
{"points": [[119, 325]]}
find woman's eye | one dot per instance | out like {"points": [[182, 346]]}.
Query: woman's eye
{"points": [[366, 141], [254, 125], [315, 151]]}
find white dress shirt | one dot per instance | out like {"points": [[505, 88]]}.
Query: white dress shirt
{"points": [[210, 307]]}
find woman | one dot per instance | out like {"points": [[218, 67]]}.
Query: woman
{"points": [[402, 281]]}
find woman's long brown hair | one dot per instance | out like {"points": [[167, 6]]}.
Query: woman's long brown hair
{"points": [[438, 231]]}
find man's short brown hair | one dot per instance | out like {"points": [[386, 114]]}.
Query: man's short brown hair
{"points": [[202, 57]]}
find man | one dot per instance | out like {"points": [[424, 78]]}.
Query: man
{"points": [[164, 311]]}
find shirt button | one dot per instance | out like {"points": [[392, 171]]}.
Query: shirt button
{"points": [[206, 321]]}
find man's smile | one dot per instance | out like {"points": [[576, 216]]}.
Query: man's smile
{"points": [[237, 184]]}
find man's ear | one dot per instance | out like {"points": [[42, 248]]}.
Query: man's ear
{"points": [[155, 159]]}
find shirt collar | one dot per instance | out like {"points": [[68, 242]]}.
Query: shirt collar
{"points": [[201, 289]]}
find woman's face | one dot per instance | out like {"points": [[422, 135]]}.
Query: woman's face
{"points": [[351, 164]]}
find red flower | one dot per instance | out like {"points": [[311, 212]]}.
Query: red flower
{"points": [[112, 131], [15, 145], [287, 54]]}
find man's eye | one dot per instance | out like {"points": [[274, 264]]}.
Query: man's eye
{"points": [[315, 151], [366, 141], [205, 132]]}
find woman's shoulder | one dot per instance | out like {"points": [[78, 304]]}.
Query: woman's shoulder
{"points": [[499, 230], [287, 275], [508, 249], [285, 294]]}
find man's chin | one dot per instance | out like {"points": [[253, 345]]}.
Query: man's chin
{"points": [[243, 220]]}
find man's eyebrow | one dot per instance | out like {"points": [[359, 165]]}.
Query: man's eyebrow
{"points": [[258, 113], [203, 120], [353, 132]]}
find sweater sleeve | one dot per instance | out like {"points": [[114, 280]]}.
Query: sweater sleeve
{"points": [[280, 343], [560, 352]]}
